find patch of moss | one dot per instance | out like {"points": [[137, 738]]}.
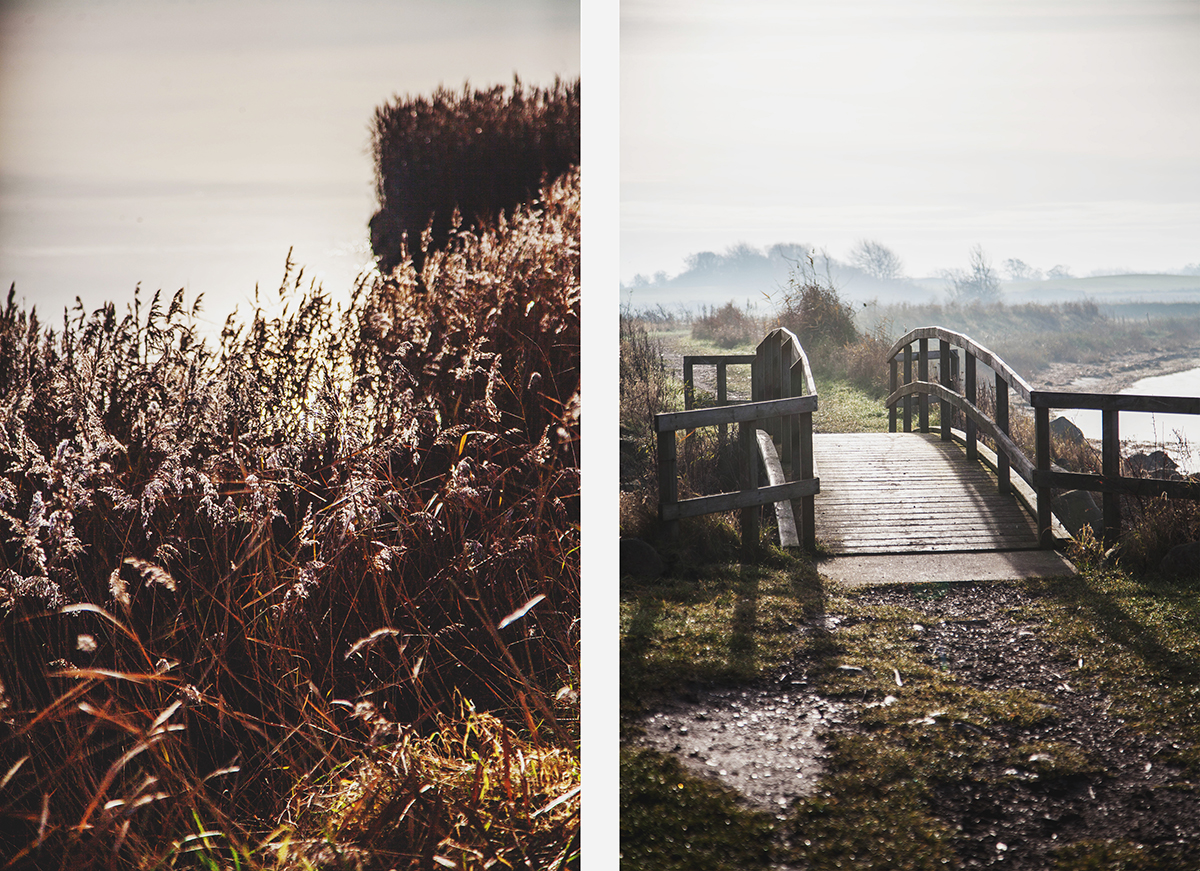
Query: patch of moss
{"points": [[1136, 637], [670, 820]]}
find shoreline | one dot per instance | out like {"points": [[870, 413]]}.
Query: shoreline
{"points": [[1101, 378]]}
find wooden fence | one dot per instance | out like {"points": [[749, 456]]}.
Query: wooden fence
{"points": [[1039, 473], [783, 399]]}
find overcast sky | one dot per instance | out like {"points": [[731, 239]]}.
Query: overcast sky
{"points": [[1054, 131], [188, 144]]}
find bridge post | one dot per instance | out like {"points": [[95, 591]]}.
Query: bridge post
{"points": [[1002, 425], [893, 383], [748, 447], [1042, 438], [774, 383], [689, 389], [668, 480], [1110, 467], [802, 457], [788, 422], [971, 391], [923, 375], [755, 389], [908, 380], [722, 396], [946, 377]]}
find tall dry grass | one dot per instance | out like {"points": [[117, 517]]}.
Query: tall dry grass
{"points": [[246, 585], [461, 159]]}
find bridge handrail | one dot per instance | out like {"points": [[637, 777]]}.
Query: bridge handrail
{"points": [[783, 399], [985, 355], [1039, 473]]}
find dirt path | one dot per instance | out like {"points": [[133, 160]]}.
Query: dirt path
{"points": [[765, 741]]}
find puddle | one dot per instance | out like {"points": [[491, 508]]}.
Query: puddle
{"points": [[765, 743]]}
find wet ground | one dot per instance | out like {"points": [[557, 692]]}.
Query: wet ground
{"points": [[765, 741]]}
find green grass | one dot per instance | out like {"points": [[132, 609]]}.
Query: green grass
{"points": [[671, 820], [719, 624], [728, 624], [1138, 636], [717, 621], [844, 408]]}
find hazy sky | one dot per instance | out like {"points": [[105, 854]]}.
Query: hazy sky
{"points": [[189, 144], [1054, 131]]}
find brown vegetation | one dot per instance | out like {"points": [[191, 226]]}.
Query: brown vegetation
{"points": [[727, 327], [255, 599], [462, 159]]}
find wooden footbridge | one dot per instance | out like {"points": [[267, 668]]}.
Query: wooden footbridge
{"points": [[909, 504]]}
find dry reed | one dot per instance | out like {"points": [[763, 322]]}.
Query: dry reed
{"points": [[224, 569]]}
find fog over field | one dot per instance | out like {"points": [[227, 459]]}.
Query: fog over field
{"points": [[760, 276], [1058, 133]]}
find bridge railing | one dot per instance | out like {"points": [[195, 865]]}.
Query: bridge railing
{"points": [[1039, 473], [783, 399]]}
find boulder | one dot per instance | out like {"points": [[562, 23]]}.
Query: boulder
{"points": [[1062, 428], [1156, 464], [1077, 509], [640, 560], [1182, 561]]}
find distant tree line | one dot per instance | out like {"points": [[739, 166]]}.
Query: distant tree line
{"points": [[980, 281], [465, 157]]}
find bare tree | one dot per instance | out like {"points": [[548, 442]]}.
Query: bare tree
{"points": [[1059, 271], [1019, 270], [877, 260], [979, 283]]}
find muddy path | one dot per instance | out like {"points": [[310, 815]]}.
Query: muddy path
{"points": [[766, 741]]}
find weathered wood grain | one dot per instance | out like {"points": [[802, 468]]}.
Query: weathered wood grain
{"points": [[911, 493]]}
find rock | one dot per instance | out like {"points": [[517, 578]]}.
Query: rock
{"points": [[1077, 509], [1156, 464], [1182, 560], [640, 559], [1067, 431]]}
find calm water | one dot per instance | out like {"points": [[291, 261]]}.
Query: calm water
{"points": [[190, 145], [1167, 430], [217, 240]]}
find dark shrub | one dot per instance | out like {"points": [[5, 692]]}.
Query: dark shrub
{"points": [[726, 327], [475, 154], [818, 316]]}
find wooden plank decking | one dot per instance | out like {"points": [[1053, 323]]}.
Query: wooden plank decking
{"points": [[891, 493]]}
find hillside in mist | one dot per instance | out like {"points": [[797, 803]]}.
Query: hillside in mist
{"points": [[746, 274]]}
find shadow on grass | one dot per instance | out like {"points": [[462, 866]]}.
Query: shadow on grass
{"points": [[1140, 615], [725, 623], [722, 623], [670, 820]]}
